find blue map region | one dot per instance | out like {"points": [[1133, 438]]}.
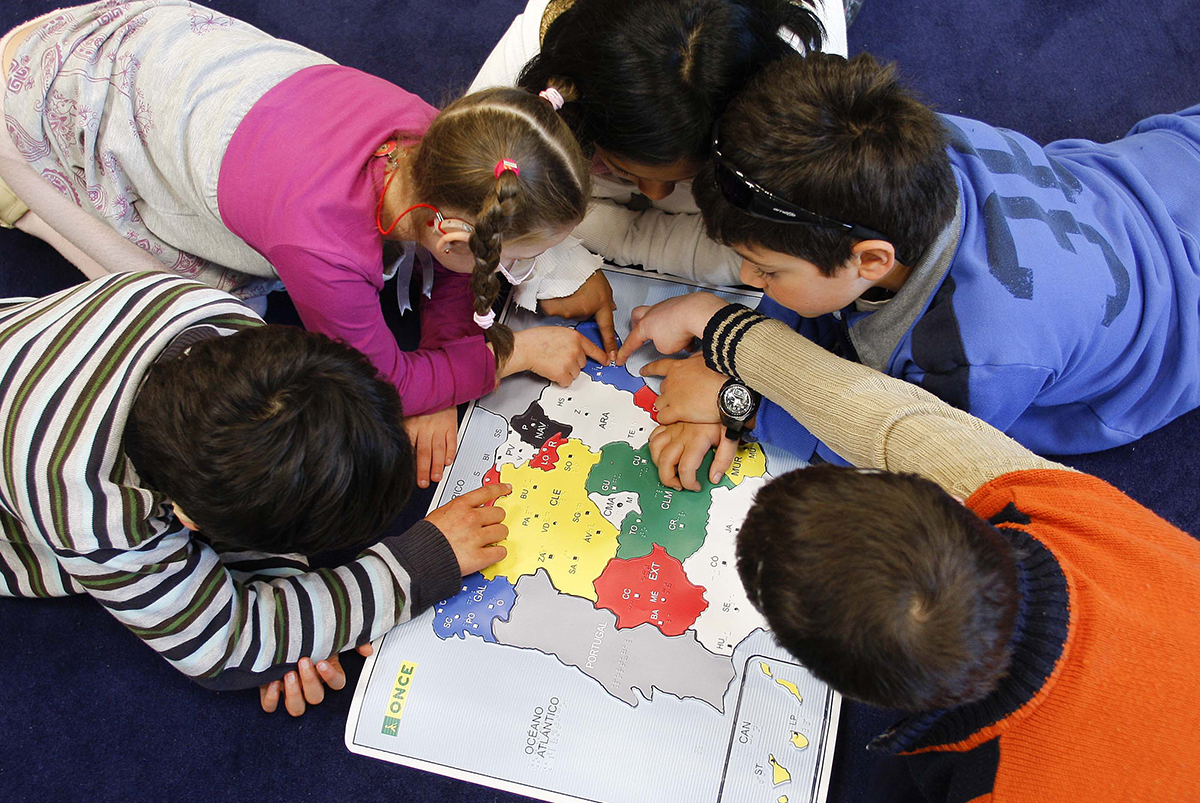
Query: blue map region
{"points": [[616, 375], [474, 608]]}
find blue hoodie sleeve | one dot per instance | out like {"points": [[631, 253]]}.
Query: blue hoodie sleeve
{"points": [[776, 427]]}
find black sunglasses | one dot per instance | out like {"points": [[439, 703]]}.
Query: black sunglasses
{"points": [[757, 201]]}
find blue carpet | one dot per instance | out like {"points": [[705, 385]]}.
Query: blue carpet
{"points": [[81, 686]]}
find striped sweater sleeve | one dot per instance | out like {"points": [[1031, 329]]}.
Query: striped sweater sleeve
{"points": [[75, 518]]}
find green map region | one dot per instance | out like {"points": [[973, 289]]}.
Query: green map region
{"points": [[674, 519]]}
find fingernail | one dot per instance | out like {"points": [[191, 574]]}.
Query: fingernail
{"points": [[323, 666], [290, 678], [437, 477]]}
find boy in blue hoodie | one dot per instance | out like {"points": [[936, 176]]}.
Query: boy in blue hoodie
{"points": [[1052, 291]]}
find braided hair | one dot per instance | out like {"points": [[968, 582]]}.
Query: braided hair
{"points": [[457, 166]]}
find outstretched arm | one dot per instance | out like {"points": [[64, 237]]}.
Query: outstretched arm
{"points": [[660, 241], [869, 418]]}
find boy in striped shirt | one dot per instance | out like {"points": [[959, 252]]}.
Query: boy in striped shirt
{"points": [[173, 457]]}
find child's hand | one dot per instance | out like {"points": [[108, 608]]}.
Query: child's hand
{"points": [[670, 325], [435, 436], [679, 449], [592, 299], [473, 528], [306, 685], [689, 390], [555, 352]]}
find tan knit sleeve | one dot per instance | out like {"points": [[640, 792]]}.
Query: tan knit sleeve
{"points": [[869, 418]]}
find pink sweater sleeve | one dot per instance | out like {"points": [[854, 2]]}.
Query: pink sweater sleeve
{"points": [[340, 302]]}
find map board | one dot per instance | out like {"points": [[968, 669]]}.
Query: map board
{"points": [[612, 656]]}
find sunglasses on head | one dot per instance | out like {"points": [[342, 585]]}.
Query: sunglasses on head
{"points": [[755, 200]]}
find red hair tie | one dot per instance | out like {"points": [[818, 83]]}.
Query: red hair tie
{"points": [[506, 164]]}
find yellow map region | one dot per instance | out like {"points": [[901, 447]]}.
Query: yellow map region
{"points": [[552, 524], [748, 462], [779, 773], [791, 687]]}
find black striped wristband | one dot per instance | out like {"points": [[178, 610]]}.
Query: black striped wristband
{"points": [[723, 333]]}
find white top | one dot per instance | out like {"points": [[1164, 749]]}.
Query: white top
{"points": [[669, 237]]}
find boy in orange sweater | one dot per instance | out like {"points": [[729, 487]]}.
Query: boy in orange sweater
{"points": [[1043, 633]]}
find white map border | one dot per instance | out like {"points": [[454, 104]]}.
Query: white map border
{"points": [[824, 744]]}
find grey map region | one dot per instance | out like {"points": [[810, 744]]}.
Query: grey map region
{"points": [[583, 636], [512, 397]]}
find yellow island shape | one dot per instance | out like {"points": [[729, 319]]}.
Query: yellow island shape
{"points": [[781, 775], [791, 687]]}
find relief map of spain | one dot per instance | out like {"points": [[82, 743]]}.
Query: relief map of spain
{"points": [[612, 655]]}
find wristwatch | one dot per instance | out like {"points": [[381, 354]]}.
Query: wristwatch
{"points": [[737, 404]]}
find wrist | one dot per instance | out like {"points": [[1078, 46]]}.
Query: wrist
{"points": [[706, 306], [515, 363]]}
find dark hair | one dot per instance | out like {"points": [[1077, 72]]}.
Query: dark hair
{"points": [[651, 76], [274, 439], [454, 167], [840, 138], [883, 585]]}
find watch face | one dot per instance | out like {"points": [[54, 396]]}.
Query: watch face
{"points": [[736, 400]]}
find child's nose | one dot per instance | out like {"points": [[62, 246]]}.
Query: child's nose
{"points": [[655, 190], [750, 276]]}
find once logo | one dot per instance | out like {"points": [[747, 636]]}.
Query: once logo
{"points": [[400, 692]]}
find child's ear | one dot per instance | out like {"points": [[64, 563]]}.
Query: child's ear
{"points": [[183, 518], [875, 258], [449, 242]]}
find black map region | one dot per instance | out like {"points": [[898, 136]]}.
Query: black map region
{"points": [[535, 427]]}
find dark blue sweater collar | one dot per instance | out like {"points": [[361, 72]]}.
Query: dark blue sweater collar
{"points": [[1039, 636]]}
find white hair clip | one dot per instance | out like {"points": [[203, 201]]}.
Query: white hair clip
{"points": [[486, 321]]}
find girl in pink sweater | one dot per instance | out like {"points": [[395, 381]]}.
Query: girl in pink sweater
{"points": [[168, 136]]}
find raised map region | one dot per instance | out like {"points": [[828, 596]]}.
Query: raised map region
{"points": [[616, 375], [621, 661], [779, 773], [729, 617], [674, 519], [535, 427], [477, 454], [605, 416], [748, 462], [514, 450], [547, 456], [791, 688], [553, 525], [651, 590], [474, 608], [512, 396], [646, 399], [615, 507]]}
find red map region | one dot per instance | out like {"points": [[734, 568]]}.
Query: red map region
{"points": [[492, 477], [547, 456], [652, 588], [645, 398]]}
